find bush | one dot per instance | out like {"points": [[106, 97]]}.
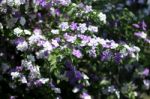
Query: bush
{"points": [[62, 49]]}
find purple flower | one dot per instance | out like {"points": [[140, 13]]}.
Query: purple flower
{"points": [[19, 40], [145, 72], [77, 53], [69, 65], [117, 57], [142, 25], [57, 12], [73, 26], [106, 55]]}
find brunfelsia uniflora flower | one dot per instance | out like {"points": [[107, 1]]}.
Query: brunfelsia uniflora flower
{"points": [[59, 42], [77, 53]]}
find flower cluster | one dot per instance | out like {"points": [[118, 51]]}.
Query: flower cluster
{"points": [[58, 48]]}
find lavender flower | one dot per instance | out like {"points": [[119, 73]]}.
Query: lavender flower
{"points": [[82, 27], [69, 38], [64, 26], [85, 96], [142, 25], [145, 72], [77, 53], [88, 9], [22, 46], [73, 26], [140, 35]]}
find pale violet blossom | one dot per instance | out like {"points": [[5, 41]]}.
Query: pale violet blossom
{"points": [[33, 39], [23, 46], [82, 27], [88, 9], [47, 46], [141, 35], [64, 26], [85, 96]]}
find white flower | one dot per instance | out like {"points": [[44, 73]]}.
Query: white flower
{"points": [[15, 75], [1, 26], [19, 2], [75, 90], [44, 80], [93, 28], [85, 76], [27, 32], [31, 57], [23, 80], [55, 31], [102, 17], [18, 31], [35, 72], [26, 63], [55, 43], [23, 46]]}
